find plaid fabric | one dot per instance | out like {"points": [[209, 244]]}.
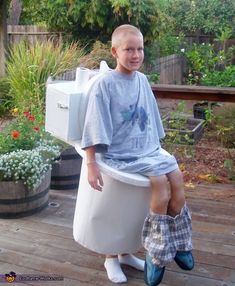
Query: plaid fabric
{"points": [[163, 236], [182, 230]]}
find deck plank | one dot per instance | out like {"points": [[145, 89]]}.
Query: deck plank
{"points": [[43, 244]]}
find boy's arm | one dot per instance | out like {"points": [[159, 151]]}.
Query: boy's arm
{"points": [[94, 176]]}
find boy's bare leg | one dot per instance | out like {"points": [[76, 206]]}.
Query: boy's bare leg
{"points": [[155, 233], [177, 200], [159, 195], [182, 234]]}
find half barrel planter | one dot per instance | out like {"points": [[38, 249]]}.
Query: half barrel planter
{"points": [[65, 173], [17, 201]]}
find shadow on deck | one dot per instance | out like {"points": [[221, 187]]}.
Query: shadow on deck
{"points": [[42, 244]]}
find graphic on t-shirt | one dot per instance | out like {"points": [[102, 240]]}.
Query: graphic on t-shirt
{"points": [[135, 115]]}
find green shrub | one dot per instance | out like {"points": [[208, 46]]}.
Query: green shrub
{"points": [[29, 66], [169, 44], [206, 66], [199, 59], [153, 78], [225, 78], [5, 100], [224, 125]]}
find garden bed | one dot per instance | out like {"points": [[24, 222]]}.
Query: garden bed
{"points": [[203, 162], [186, 130]]}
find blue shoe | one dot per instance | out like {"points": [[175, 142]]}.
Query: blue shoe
{"points": [[184, 259], [153, 274]]}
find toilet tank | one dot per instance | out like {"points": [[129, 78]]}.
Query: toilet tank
{"points": [[66, 103], [65, 110]]}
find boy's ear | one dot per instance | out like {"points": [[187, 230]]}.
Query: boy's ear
{"points": [[114, 52]]}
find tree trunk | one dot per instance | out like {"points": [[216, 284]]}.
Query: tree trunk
{"points": [[15, 12], [3, 36]]}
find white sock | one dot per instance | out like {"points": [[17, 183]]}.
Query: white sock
{"points": [[132, 261], [114, 270]]}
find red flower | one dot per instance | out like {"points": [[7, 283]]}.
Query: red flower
{"points": [[31, 118], [15, 134], [36, 128], [26, 113]]}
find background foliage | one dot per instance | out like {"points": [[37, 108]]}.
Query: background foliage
{"points": [[30, 65], [204, 16], [95, 19]]}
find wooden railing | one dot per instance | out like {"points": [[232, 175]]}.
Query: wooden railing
{"points": [[188, 92]]}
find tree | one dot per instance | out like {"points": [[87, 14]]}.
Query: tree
{"points": [[3, 35], [202, 16], [14, 12], [96, 19]]}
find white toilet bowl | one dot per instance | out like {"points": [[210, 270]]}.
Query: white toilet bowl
{"points": [[111, 221]]}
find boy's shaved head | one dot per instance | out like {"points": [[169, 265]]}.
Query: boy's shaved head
{"points": [[123, 30]]}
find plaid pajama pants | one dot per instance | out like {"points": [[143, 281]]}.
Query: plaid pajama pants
{"points": [[163, 236]]}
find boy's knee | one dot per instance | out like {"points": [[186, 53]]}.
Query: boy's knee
{"points": [[176, 181], [158, 182]]}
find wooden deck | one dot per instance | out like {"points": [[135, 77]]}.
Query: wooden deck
{"points": [[42, 244]]}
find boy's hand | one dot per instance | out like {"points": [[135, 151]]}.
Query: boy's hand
{"points": [[94, 176]]}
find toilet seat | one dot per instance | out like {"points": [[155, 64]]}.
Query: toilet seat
{"points": [[128, 178]]}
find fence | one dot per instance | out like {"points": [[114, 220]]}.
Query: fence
{"points": [[31, 33], [171, 69]]}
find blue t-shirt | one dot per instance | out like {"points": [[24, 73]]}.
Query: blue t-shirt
{"points": [[123, 122]]}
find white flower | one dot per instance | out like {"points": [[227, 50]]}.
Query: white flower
{"points": [[28, 165]]}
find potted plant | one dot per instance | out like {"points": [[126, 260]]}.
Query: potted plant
{"points": [[203, 109], [26, 155]]}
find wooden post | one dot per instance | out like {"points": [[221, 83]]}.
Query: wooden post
{"points": [[3, 36]]}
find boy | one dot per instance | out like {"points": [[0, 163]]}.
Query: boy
{"points": [[123, 123]]}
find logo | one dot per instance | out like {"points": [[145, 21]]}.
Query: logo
{"points": [[10, 277], [22, 278]]}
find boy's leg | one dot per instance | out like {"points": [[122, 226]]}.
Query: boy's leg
{"points": [[182, 225], [156, 232], [157, 239], [160, 238], [182, 236], [159, 195], [177, 200]]}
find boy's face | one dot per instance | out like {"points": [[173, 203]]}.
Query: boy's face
{"points": [[129, 53]]}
